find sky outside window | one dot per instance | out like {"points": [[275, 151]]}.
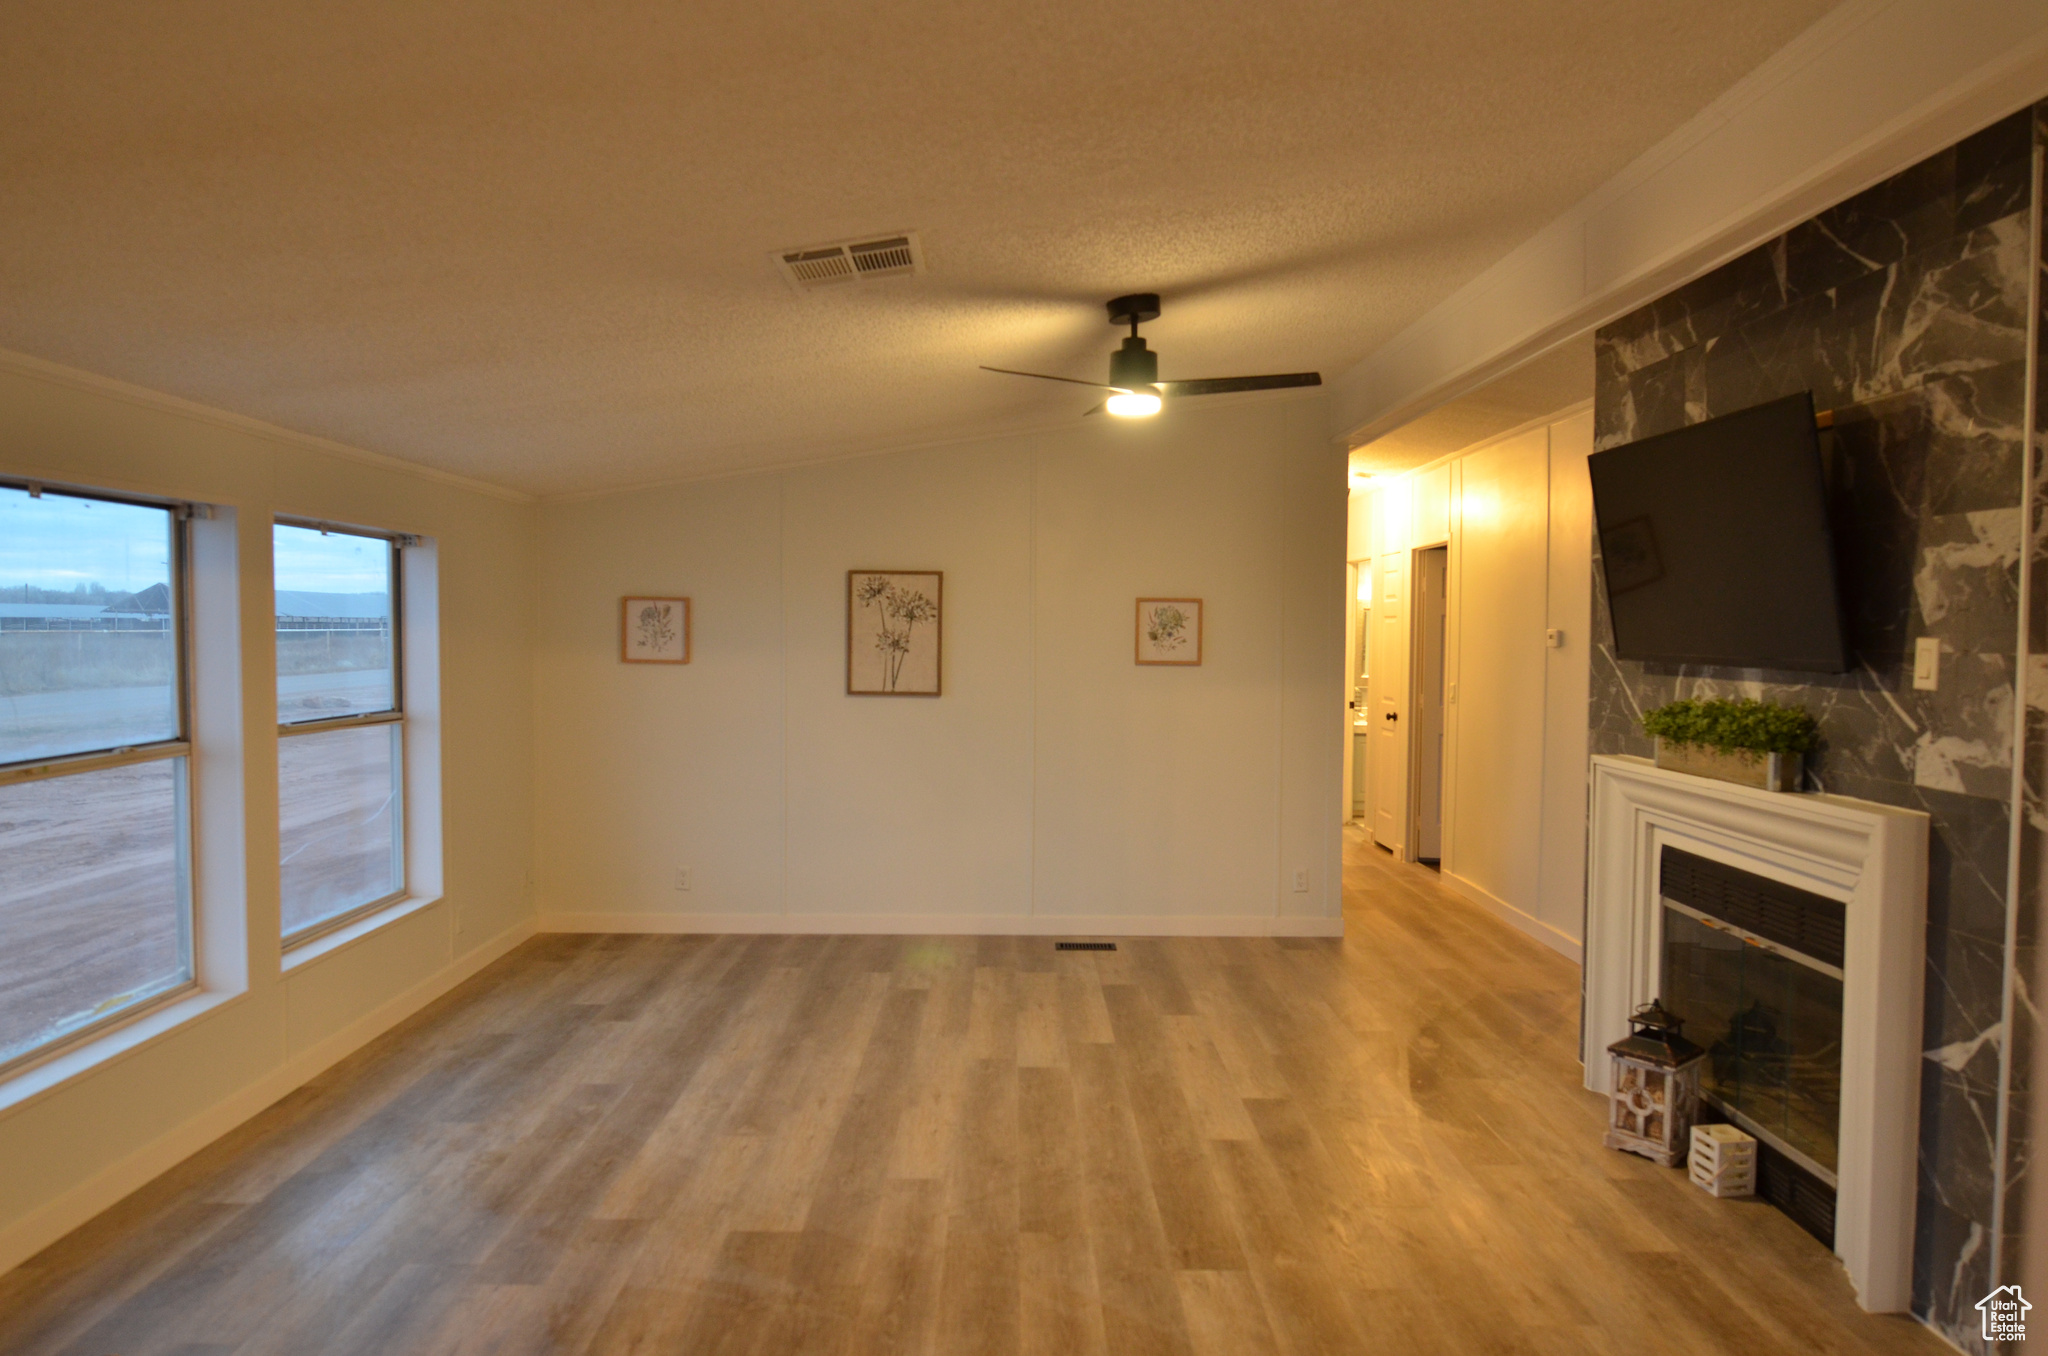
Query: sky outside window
{"points": [[57, 542], [312, 561], [85, 663], [334, 651]]}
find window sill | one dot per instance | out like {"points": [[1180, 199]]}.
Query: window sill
{"points": [[117, 1043], [327, 943], [110, 1047]]}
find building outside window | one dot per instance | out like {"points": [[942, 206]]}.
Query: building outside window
{"points": [[95, 769], [341, 725]]}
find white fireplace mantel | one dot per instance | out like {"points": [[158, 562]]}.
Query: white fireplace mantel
{"points": [[1874, 858]]}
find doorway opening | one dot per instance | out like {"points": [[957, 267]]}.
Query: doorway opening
{"points": [[1432, 573], [1358, 708]]}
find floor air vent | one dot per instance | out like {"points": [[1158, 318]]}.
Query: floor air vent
{"points": [[893, 256], [1084, 946]]}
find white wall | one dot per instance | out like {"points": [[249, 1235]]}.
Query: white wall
{"points": [[1358, 518], [1494, 743], [94, 1137], [1056, 786], [1567, 676]]}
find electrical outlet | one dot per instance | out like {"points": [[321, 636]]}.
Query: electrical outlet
{"points": [[682, 878], [1301, 882], [1926, 664]]}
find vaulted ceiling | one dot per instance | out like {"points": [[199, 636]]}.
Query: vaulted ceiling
{"points": [[531, 243]]}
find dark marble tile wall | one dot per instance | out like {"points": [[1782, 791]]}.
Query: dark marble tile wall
{"points": [[2024, 1018], [1904, 310]]}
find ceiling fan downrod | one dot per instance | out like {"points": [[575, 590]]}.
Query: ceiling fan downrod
{"points": [[1134, 367]]}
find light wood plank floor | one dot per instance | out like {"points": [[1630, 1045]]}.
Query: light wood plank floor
{"points": [[686, 1145]]}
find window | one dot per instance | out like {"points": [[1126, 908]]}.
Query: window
{"points": [[95, 843], [341, 726]]}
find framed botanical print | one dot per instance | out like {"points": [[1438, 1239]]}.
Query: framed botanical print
{"points": [[894, 629], [1169, 631], [654, 630]]}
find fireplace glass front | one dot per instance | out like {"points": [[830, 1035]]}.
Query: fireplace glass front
{"points": [[1772, 1028]]}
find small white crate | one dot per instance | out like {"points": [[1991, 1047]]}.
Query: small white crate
{"points": [[1722, 1160]]}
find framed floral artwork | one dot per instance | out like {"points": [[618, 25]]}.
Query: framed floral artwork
{"points": [[894, 629], [1169, 631], [654, 630]]}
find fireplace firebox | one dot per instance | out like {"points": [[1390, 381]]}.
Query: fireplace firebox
{"points": [[1754, 966]]}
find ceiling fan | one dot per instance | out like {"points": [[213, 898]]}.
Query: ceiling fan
{"points": [[1134, 385]]}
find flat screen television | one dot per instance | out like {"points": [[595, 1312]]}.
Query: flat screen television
{"points": [[1715, 543]]}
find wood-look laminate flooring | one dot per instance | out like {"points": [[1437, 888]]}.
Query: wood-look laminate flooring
{"points": [[739, 1145]]}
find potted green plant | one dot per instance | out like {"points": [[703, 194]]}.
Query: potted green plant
{"points": [[1754, 743]]}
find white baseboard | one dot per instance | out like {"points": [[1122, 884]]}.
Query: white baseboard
{"points": [[33, 1232], [949, 925], [1563, 943]]}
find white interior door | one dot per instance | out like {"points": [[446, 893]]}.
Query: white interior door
{"points": [[1390, 704], [1351, 647]]}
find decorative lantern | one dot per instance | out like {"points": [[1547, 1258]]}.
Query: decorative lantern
{"points": [[1656, 1087]]}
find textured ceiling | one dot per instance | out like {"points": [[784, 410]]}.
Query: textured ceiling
{"points": [[1543, 385], [530, 243]]}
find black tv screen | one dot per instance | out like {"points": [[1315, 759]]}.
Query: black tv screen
{"points": [[1715, 544]]}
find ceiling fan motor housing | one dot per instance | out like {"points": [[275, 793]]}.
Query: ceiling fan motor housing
{"points": [[1133, 366], [1135, 309]]}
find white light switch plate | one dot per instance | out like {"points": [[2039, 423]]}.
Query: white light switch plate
{"points": [[1926, 664]]}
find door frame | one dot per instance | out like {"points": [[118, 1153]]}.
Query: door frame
{"points": [[1412, 839], [1386, 692]]}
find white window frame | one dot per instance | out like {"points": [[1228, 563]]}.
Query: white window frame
{"points": [[398, 543], [180, 748]]}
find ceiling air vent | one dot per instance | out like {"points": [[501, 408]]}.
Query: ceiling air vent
{"points": [[884, 256], [892, 256]]}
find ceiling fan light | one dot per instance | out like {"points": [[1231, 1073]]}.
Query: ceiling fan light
{"points": [[1141, 403]]}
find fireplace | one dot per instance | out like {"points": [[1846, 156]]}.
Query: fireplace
{"points": [[1790, 932], [1754, 967]]}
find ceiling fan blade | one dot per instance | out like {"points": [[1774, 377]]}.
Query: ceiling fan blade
{"points": [[1012, 372], [1220, 385]]}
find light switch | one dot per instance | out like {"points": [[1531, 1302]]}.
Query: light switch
{"points": [[1926, 664]]}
